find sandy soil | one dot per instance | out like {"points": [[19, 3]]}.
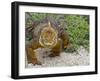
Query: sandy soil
{"points": [[65, 59]]}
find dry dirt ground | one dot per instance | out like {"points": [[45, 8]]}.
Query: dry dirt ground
{"points": [[81, 58]]}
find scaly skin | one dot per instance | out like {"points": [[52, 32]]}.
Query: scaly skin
{"points": [[62, 42]]}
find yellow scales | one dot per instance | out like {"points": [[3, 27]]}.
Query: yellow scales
{"points": [[48, 37]]}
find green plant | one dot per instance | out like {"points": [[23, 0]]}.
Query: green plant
{"points": [[78, 29]]}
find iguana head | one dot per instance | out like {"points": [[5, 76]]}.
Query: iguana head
{"points": [[48, 36]]}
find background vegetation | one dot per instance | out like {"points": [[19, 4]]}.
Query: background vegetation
{"points": [[77, 27]]}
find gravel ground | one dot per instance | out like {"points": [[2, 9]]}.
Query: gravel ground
{"points": [[65, 59]]}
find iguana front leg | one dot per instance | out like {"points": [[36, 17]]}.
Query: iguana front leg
{"points": [[31, 54]]}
